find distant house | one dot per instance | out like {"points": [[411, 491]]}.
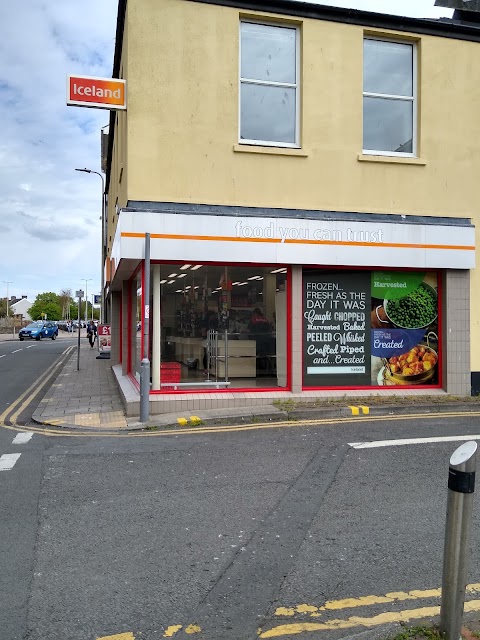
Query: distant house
{"points": [[21, 307]]}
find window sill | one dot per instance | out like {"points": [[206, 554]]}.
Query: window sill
{"points": [[273, 151], [365, 157]]}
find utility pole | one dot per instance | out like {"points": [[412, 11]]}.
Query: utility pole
{"points": [[79, 295]]}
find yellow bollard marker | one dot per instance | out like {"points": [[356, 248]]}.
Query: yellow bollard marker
{"points": [[195, 420], [355, 410], [182, 421], [365, 410]]}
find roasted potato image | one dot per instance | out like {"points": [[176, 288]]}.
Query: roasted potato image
{"points": [[415, 366]]}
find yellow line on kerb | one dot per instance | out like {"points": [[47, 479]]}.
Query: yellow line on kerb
{"points": [[357, 621], [244, 427]]}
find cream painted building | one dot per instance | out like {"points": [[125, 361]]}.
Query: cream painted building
{"points": [[307, 176]]}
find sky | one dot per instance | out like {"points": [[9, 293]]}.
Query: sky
{"points": [[50, 228]]}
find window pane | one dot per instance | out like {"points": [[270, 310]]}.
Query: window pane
{"points": [[268, 113], [268, 53], [136, 320], [388, 67], [387, 125], [200, 303]]}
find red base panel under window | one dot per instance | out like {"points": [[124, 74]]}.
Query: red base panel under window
{"points": [[170, 372]]}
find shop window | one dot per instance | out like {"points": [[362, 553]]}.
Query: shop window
{"points": [[136, 321], [389, 97], [221, 327], [269, 84], [370, 328]]}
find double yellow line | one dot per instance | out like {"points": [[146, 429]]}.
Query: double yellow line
{"points": [[301, 627], [387, 617], [21, 403]]}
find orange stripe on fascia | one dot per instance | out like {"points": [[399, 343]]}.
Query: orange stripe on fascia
{"points": [[337, 243]]}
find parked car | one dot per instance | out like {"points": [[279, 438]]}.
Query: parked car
{"points": [[38, 330]]}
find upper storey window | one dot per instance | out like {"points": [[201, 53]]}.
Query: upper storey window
{"points": [[269, 85], [389, 98]]}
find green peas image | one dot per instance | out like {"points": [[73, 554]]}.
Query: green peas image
{"points": [[415, 311]]}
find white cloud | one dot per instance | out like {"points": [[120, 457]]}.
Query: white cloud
{"points": [[49, 214]]}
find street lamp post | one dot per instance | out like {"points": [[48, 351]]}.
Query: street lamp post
{"points": [[86, 298], [102, 255], [7, 282]]}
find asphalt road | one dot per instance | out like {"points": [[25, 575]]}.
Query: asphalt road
{"points": [[23, 362], [19, 496], [105, 536], [223, 536]]}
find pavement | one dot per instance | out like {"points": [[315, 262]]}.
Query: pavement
{"points": [[89, 399], [83, 399]]}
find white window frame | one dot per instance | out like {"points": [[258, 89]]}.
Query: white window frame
{"points": [[413, 99], [296, 86]]}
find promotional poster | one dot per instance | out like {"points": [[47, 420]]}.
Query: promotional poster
{"points": [[370, 328]]}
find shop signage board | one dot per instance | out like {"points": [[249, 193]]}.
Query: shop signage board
{"points": [[370, 328], [104, 338], [296, 241], [101, 93]]}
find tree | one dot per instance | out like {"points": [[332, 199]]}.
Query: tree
{"points": [[46, 305], [52, 311], [65, 300], [73, 311], [3, 308]]}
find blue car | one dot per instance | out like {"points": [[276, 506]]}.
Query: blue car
{"points": [[38, 330]]}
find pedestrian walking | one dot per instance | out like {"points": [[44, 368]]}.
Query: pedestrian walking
{"points": [[91, 333]]}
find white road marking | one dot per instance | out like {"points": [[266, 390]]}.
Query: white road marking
{"points": [[8, 460], [3, 356], [16, 350], [30, 346], [399, 443], [21, 438]]}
